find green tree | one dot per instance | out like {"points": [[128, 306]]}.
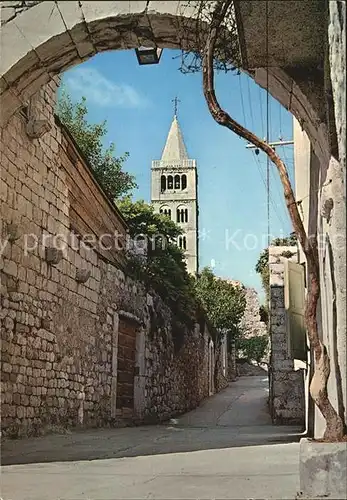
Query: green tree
{"points": [[224, 303], [262, 268], [164, 269], [253, 348], [108, 169], [264, 314]]}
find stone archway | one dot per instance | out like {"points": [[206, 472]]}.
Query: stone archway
{"points": [[40, 39], [71, 32]]}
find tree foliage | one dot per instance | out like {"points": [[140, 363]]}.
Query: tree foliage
{"points": [[223, 302], [227, 45], [264, 314], [108, 169], [252, 348], [262, 268], [164, 269]]}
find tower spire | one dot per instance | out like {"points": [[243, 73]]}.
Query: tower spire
{"points": [[175, 148], [175, 101]]}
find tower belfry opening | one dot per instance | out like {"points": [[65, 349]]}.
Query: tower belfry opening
{"points": [[174, 190]]}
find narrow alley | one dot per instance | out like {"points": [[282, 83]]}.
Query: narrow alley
{"points": [[226, 448]]}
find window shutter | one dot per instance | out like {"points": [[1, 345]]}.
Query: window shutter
{"points": [[294, 299]]}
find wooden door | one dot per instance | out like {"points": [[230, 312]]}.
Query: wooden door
{"points": [[127, 331], [294, 296]]}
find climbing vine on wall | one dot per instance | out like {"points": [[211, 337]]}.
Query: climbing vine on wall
{"points": [[262, 265], [163, 269]]}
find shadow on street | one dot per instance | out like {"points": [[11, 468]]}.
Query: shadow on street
{"points": [[236, 417]]}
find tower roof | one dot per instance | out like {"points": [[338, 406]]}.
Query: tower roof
{"points": [[175, 148]]}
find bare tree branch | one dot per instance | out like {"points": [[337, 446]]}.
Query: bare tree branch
{"points": [[227, 49], [334, 424]]}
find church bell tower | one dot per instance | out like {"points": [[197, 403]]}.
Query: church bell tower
{"points": [[174, 191]]}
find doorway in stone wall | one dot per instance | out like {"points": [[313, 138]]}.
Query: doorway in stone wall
{"points": [[126, 356], [211, 368]]}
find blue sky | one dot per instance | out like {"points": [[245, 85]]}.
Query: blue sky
{"points": [[137, 103]]}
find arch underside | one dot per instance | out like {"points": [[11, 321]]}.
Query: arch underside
{"points": [[71, 32]]}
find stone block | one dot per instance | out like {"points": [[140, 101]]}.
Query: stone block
{"points": [[276, 280], [10, 267], [278, 250], [53, 255], [16, 47], [8, 323], [276, 269], [279, 329], [82, 275], [323, 469], [13, 232], [101, 11], [284, 365], [73, 18], [52, 23]]}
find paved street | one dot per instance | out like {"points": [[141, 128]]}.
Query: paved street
{"points": [[227, 448]]}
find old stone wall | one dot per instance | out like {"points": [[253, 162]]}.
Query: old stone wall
{"points": [[251, 323], [287, 396], [232, 369], [222, 368], [171, 388], [82, 342]]}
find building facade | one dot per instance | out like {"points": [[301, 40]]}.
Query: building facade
{"points": [[321, 191], [174, 192]]}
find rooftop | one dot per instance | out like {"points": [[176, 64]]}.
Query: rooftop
{"points": [[175, 148]]}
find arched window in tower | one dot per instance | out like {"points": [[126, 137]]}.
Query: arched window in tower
{"points": [[163, 183], [181, 214], [165, 211], [184, 181], [169, 182], [182, 242], [177, 182]]}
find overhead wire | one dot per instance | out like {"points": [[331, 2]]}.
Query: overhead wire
{"points": [[268, 129], [250, 104], [288, 162], [278, 190], [255, 157], [286, 159], [267, 119], [261, 113]]}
